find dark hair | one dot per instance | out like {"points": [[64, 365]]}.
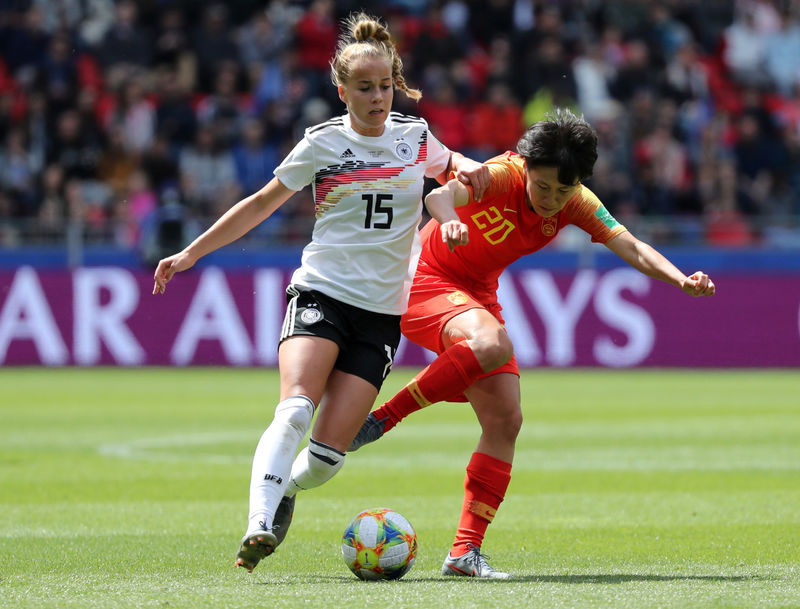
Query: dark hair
{"points": [[561, 140]]}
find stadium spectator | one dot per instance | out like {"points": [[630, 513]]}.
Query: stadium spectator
{"points": [[88, 19], [489, 18], [224, 108], [316, 34], [685, 76], [435, 42], [172, 47], [548, 67], [745, 50], [207, 174], [159, 163], [24, 48], [126, 44], [782, 55], [18, 169], [213, 45], [446, 115], [593, 75], [666, 32], [117, 162], [134, 115], [726, 225], [52, 212], [756, 155], [261, 42], [254, 156], [175, 116], [139, 201], [636, 73], [494, 123], [663, 165], [75, 147], [57, 74]]}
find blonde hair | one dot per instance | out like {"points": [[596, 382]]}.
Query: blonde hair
{"points": [[365, 36]]}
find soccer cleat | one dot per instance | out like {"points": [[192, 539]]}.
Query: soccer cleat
{"points": [[283, 518], [371, 430], [471, 564], [255, 546]]}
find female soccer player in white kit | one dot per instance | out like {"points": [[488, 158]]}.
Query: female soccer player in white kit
{"points": [[342, 323]]}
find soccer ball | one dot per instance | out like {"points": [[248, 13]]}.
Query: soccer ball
{"points": [[379, 544]]}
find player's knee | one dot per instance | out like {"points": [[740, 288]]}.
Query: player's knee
{"points": [[296, 411], [513, 424], [502, 424], [492, 348]]}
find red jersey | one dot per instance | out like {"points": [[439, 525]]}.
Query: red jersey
{"points": [[503, 228]]}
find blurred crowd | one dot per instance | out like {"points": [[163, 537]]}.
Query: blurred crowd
{"points": [[140, 121]]}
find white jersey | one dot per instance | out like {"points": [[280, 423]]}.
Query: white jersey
{"points": [[368, 203]]}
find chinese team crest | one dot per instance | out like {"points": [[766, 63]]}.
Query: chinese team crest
{"points": [[457, 298], [549, 226]]}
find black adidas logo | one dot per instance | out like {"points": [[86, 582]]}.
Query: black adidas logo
{"points": [[347, 154]]}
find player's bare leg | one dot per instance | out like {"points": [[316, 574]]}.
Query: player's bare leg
{"points": [[348, 399]]}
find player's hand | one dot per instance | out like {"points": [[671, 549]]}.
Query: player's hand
{"points": [[475, 174], [167, 267], [698, 284], [454, 233]]}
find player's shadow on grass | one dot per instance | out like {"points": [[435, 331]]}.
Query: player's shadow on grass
{"points": [[622, 578], [601, 578]]}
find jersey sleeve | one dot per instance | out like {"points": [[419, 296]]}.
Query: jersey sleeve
{"points": [[297, 169], [438, 157], [589, 214], [503, 178]]}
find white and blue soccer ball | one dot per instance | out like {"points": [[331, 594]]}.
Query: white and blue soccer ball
{"points": [[378, 544]]}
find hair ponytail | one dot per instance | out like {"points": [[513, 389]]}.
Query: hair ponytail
{"points": [[366, 36]]}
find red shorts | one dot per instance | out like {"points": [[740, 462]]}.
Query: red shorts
{"points": [[432, 303]]}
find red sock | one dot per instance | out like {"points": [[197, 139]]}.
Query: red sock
{"points": [[450, 374], [484, 490]]}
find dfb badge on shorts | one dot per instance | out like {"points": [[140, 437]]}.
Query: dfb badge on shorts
{"points": [[311, 316], [403, 150]]}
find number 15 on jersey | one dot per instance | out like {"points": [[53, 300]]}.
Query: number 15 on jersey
{"points": [[378, 215]]}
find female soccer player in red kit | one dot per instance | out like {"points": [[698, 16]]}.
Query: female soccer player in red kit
{"points": [[453, 308]]}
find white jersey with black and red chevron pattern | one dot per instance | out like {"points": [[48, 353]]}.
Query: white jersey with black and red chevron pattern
{"points": [[368, 205]]}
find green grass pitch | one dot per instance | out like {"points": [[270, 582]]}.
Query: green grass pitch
{"points": [[659, 488]]}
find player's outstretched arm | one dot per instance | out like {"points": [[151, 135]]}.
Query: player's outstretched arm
{"points": [[651, 262], [238, 220], [441, 203]]}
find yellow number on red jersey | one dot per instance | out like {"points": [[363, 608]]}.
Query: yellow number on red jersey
{"points": [[491, 219]]}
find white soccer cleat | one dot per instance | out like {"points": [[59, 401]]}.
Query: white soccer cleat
{"points": [[471, 564]]}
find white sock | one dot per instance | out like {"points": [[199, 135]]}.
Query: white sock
{"points": [[314, 466], [273, 459]]}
